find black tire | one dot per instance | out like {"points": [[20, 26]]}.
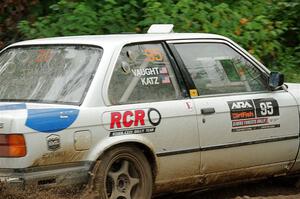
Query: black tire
{"points": [[123, 173]]}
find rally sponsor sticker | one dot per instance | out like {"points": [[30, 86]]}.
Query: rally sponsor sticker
{"points": [[127, 122], [254, 114]]}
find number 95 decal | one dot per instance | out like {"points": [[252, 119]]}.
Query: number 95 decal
{"points": [[266, 107]]}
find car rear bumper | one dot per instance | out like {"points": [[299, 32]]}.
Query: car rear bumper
{"points": [[47, 176]]}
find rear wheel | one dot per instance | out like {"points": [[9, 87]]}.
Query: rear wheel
{"points": [[123, 173]]}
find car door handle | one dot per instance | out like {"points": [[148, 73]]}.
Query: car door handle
{"points": [[208, 111]]}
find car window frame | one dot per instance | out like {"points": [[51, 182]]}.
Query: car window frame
{"points": [[237, 49], [173, 64]]}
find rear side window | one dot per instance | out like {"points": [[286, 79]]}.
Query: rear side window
{"points": [[216, 68], [143, 74], [48, 73]]}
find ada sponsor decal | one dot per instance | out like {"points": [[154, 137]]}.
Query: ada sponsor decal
{"points": [[53, 142], [246, 104], [137, 121], [254, 114], [242, 109]]}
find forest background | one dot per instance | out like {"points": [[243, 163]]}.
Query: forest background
{"points": [[268, 29]]}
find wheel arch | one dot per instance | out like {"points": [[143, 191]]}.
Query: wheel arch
{"points": [[144, 145]]}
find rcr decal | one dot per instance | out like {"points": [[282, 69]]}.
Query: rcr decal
{"points": [[258, 113], [127, 119], [132, 121]]}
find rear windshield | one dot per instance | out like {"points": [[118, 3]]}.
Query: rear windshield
{"points": [[47, 74]]}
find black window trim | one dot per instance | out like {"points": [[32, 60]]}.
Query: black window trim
{"points": [[186, 75], [179, 75]]}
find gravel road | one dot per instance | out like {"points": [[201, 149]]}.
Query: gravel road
{"points": [[257, 190]]}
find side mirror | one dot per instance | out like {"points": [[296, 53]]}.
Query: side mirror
{"points": [[276, 80]]}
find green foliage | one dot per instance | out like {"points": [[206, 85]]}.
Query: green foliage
{"points": [[267, 29], [12, 11], [84, 17]]}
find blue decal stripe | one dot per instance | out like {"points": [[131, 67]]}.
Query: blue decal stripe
{"points": [[12, 107], [51, 120]]}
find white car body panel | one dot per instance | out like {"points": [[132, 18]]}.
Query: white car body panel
{"points": [[186, 144]]}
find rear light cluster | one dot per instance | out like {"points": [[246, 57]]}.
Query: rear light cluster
{"points": [[12, 145]]}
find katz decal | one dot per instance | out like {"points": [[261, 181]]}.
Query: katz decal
{"points": [[149, 81], [152, 76], [248, 115], [128, 122]]}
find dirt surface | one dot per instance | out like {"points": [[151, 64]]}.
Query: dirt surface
{"points": [[257, 190]]}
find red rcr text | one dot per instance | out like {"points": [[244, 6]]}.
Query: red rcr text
{"points": [[127, 119]]}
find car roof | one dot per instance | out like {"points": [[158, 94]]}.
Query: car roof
{"points": [[104, 40]]}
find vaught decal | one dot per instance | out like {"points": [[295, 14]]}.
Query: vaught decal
{"points": [[145, 71], [248, 115], [152, 76], [128, 122]]}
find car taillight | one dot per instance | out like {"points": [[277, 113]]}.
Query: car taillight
{"points": [[12, 145]]}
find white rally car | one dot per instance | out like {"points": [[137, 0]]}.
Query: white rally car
{"points": [[138, 114]]}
